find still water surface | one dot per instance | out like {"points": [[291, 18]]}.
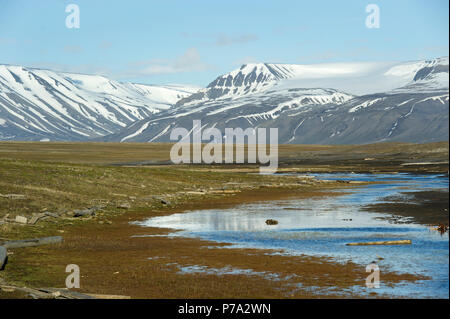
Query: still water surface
{"points": [[322, 226]]}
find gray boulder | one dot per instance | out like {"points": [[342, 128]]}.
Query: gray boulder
{"points": [[3, 257], [84, 212]]}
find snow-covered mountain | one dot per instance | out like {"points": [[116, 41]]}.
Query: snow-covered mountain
{"points": [[324, 103], [38, 104], [355, 78], [332, 103]]}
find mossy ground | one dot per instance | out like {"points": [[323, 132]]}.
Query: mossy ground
{"points": [[62, 177]]}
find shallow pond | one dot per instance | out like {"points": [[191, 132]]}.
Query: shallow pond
{"points": [[322, 226]]}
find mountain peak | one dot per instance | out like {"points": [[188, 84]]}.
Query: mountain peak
{"points": [[274, 71]]}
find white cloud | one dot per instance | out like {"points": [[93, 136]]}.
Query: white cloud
{"points": [[188, 62]]}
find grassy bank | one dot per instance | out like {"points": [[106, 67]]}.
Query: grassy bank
{"points": [[119, 182]]}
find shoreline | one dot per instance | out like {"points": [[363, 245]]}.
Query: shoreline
{"points": [[87, 243], [426, 207], [61, 178]]}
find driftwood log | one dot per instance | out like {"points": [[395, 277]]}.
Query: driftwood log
{"points": [[392, 242], [47, 293], [36, 218], [66, 293], [102, 296], [58, 293], [33, 242]]}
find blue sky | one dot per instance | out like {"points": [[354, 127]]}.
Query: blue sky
{"points": [[180, 41]]}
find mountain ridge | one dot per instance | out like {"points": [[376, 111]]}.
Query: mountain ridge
{"points": [[329, 103], [40, 104], [275, 102]]}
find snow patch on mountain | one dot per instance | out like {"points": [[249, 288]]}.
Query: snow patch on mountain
{"points": [[364, 105], [139, 131], [355, 78], [330, 103], [36, 103]]}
